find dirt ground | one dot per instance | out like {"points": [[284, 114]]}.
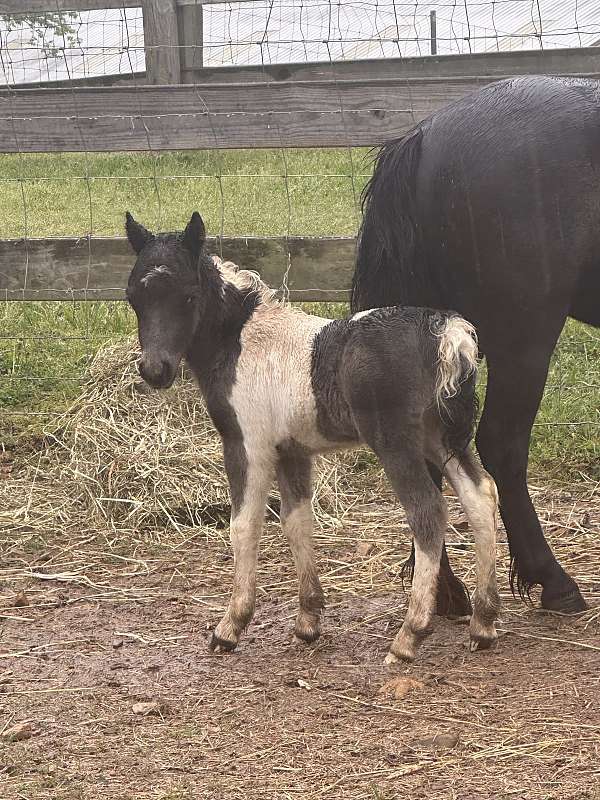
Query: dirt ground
{"points": [[94, 625]]}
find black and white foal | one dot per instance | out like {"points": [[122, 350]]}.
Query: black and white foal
{"points": [[281, 386]]}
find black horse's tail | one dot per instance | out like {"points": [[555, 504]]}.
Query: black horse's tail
{"points": [[389, 267]]}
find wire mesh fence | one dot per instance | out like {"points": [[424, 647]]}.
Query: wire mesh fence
{"points": [[257, 79], [58, 46]]}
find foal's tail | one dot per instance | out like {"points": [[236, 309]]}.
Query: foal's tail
{"points": [[456, 377]]}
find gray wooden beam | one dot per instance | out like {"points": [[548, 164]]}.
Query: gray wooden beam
{"points": [[565, 61], [39, 6], [299, 114], [190, 21], [97, 268], [161, 42]]}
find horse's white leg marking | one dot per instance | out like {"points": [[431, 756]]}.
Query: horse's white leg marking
{"points": [[245, 530], [298, 528], [421, 608], [479, 498]]}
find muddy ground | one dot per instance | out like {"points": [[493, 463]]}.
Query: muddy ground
{"points": [[93, 626]]}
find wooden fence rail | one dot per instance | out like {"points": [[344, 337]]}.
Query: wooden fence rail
{"points": [[189, 106], [299, 114], [97, 268]]}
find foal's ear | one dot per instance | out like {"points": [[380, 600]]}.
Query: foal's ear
{"points": [[138, 235], [194, 235]]}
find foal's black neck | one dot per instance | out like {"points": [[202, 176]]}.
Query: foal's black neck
{"points": [[216, 344]]}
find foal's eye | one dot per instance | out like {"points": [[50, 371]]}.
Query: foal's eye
{"points": [[189, 299]]}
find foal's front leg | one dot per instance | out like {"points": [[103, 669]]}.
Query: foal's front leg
{"points": [[249, 483], [294, 469]]}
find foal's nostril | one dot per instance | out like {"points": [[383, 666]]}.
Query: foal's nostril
{"points": [[156, 373]]}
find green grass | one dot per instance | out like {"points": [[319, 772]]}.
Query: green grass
{"points": [[238, 192], [46, 347]]}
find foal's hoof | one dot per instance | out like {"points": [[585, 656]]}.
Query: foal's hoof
{"points": [[307, 636], [307, 628], [218, 645], [565, 602], [477, 643]]}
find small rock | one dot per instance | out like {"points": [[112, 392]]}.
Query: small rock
{"points": [[20, 732], [304, 684], [398, 688], [21, 600], [152, 708], [364, 548], [116, 643]]}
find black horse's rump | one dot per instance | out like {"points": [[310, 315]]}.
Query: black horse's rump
{"points": [[492, 207]]}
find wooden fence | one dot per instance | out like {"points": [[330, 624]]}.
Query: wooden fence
{"points": [[179, 105]]}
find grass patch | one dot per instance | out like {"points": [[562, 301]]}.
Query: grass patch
{"points": [[260, 192], [45, 348]]}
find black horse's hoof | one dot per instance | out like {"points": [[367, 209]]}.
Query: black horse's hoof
{"points": [[569, 602], [217, 645], [453, 600]]}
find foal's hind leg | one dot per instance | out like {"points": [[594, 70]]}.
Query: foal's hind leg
{"points": [[249, 481], [477, 493], [426, 512], [452, 599], [294, 478]]}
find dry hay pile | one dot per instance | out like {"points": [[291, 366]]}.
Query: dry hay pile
{"points": [[127, 457]]}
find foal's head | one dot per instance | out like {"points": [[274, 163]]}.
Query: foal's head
{"points": [[170, 288]]}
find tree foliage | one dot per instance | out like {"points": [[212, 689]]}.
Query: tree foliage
{"points": [[49, 30]]}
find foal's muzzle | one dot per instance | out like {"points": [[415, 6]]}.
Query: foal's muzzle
{"points": [[158, 373]]}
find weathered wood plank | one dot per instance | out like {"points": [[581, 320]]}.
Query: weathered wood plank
{"points": [[124, 79], [35, 6], [564, 61], [161, 42], [98, 268], [190, 21], [300, 114]]}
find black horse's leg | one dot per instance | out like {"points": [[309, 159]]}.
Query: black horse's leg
{"points": [[452, 598], [516, 380]]}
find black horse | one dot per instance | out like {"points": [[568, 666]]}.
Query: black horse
{"points": [[491, 207]]}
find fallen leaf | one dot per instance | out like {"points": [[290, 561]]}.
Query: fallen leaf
{"points": [[20, 732], [147, 709], [364, 548], [399, 687]]}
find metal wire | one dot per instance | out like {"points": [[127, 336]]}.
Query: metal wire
{"points": [[245, 193]]}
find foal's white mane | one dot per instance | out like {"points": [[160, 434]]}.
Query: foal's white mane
{"points": [[246, 280]]}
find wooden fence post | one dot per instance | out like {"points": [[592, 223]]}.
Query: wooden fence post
{"points": [[189, 14], [161, 41]]}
